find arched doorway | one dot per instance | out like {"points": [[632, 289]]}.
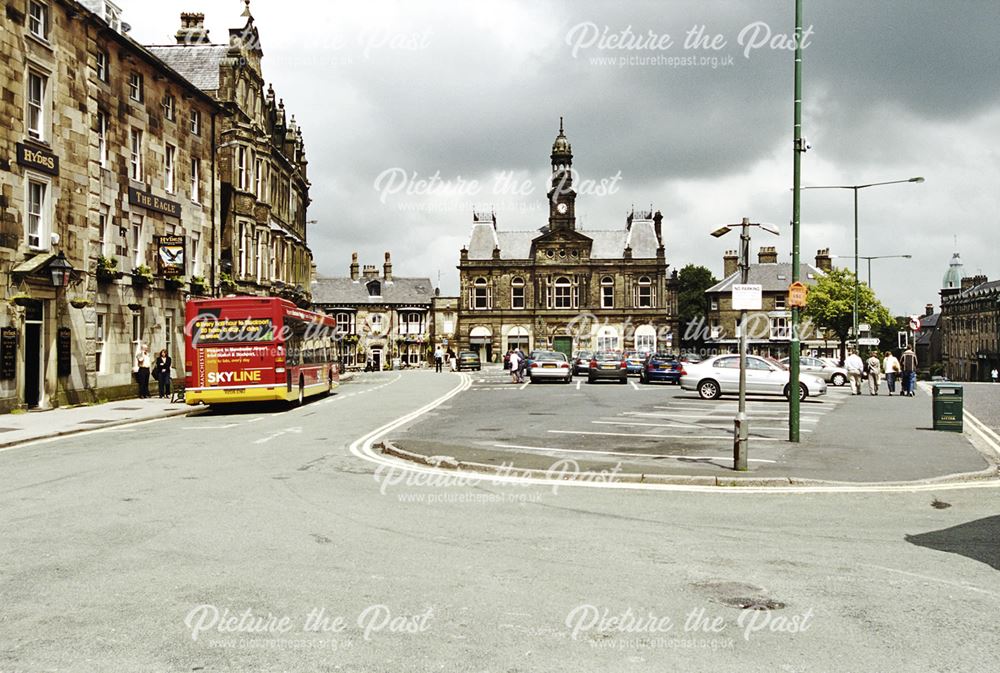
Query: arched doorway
{"points": [[518, 337], [645, 338], [481, 342]]}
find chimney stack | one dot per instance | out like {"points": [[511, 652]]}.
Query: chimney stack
{"points": [[823, 261], [929, 309], [730, 263], [387, 268], [768, 254], [355, 272], [192, 30], [369, 272]]}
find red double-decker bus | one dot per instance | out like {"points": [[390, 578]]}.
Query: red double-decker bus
{"points": [[256, 349]]}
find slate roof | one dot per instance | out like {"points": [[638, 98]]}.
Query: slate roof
{"points": [[398, 291], [771, 277], [608, 244], [199, 64]]}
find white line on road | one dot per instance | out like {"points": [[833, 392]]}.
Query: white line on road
{"points": [[525, 385], [699, 426], [717, 417], [264, 440], [623, 453], [631, 434], [634, 385], [210, 427], [578, 382]]}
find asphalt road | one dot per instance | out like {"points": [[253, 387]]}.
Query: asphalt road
{"points": [[659, 428], [123, 549]]}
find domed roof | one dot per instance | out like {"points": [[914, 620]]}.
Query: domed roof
{"points": [[953, 276], [561, 145]]}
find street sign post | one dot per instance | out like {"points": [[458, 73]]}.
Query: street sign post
{"points": [[747, 297]]}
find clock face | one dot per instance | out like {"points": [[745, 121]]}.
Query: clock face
{"points": [[562, 208]]}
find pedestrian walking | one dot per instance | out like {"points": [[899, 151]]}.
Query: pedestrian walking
{"points": [[142, 362], [874, 373], [890, 367], [993, 375], [855, 367], [438, 360], [450, 354], [161, 372], [908, 365], [515, 366], [506, 358]]}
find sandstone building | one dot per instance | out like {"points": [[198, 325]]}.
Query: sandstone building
{"points": [[563, 287], [264, 190], [108, 166]]}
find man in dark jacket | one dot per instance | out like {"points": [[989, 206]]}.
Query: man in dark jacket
{"points": [[908, 363]]}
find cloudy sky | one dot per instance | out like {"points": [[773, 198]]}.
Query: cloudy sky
{"points": [[684, 105]]}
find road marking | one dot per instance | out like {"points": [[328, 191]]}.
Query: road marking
{"points": [[751, 416], [985, 432], [578, 382], [622, 453], [254, 420], [632, 434], [694, 426], [634, 385], [279, 433], [210, 427], [524, 385], [929, 578]]}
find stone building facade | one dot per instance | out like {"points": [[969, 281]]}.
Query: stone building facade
{"points": [[563, 287], [970, 328], [769, 331], [380, 318], [102, 173], [261, 159]]}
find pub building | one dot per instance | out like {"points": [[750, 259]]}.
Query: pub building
{"points": [[109, 204]]}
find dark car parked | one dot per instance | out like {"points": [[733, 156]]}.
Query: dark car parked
{"points": [[469, 360], [661, 367], [581, 362], [608, 365]]}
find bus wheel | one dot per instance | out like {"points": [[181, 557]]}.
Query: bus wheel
{"points": [[302, 392]]}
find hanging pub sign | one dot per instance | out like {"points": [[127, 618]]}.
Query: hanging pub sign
{"points": [[170, 255], [64, 363], [152, 202], [8, 353], [37, 158]]}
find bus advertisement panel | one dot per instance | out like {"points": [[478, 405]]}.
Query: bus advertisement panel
{"points": [[243, 349]]}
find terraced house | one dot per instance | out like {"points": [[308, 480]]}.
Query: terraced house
{"points": [[108, 205], [264, 191], [564, 287]]}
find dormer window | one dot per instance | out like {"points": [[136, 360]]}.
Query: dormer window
{"points": [[374, 288]]}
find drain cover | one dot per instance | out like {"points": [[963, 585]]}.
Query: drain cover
{"points": [[746, 603]]}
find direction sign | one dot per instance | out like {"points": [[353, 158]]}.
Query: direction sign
{"points": [[868, 341], [864, 327], [914, 322], [747, 297]]}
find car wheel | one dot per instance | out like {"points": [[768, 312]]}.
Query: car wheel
{"points": [[839, 380], [709, 390], [644, 379], [624, 380], [590, 379], [568, 379], [803, 392]]}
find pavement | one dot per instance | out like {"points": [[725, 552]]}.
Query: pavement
{"points": [[659, 432], [121, 546], [30, 426]]}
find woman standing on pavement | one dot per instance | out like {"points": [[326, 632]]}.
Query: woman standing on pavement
{"points": [[161, 372], [890, 366], [142, 370], [515, 365]]}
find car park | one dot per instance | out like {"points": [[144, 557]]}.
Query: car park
{"points": [[821, 368], [581, 362], [661, 367], [550, 365], [720, 375], [469, 360], [608, 365]]}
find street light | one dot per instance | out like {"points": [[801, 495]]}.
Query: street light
{"points": [[856, 189], [741, 426], [870, 258], [61, 271]]}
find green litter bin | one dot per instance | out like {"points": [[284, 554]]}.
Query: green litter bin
{"points": [[948, 407]]}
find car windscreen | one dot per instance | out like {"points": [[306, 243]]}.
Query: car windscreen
{"points": [[608, 355], [548, 355]]}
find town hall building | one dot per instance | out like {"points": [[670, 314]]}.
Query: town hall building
{"points": [[565, 288]]}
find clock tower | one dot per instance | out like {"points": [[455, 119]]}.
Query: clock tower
{"points": [[561, 195]]}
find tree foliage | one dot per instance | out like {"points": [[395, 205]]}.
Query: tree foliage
{"points": [[830, 305], [692, 302]]}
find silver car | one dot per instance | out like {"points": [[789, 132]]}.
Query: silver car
{"points": [[830, 373], [551, 365], [720, 375]]}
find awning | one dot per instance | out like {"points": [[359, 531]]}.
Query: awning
{"points": [[34, 264]]}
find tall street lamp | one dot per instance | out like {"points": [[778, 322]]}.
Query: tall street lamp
{"points": [[856, 189], [61, 271], [871, 257], [741, 428]]}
